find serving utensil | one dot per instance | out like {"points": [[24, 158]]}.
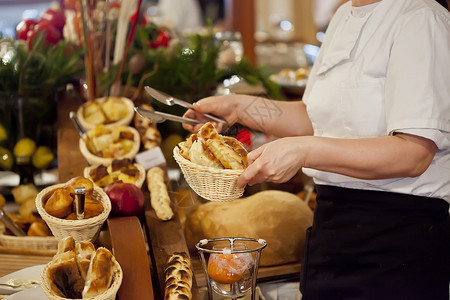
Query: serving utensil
{"points": [[159, 117], [6, 220], [171, 101], [21, 283], [82, 131]]}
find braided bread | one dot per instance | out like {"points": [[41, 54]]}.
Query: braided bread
{"points": [[178, 277]]}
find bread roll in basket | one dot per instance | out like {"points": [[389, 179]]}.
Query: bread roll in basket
{"points": [[80, 230], [125, 121]]}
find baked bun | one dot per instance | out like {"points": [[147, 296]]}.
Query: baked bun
{"points": [[59, 204], [100, 274], [39, 228], [80, 181]]}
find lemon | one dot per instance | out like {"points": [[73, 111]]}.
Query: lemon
{"points": [[24, 147], [6, 159], [3, 134], [42, 157]]}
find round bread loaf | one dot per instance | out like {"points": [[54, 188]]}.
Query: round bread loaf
{"points": [[280, 218]]}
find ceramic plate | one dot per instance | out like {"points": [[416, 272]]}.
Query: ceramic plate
{"points": [[27, 273], [36, 293]]}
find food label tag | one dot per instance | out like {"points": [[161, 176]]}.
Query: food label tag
{"points": [[151, 158]]}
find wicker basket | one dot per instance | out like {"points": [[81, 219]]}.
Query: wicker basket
{"points": [[96, 160], [28, 242], [80, 230], [210, 183], [124, 122], [139, 182], [109, 294]]}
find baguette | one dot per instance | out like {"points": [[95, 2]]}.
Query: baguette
{"points": [[159, 197]]}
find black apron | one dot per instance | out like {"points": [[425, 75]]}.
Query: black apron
{"points": [[376, 245]]}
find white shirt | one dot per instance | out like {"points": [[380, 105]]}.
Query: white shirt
{"points": [[384, 69]]}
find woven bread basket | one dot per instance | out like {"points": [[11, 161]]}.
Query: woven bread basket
{"points": [[28, 242], [124, 122], [80, 230], [210, 183], [139, 182], [97, 160], [109, 294]]}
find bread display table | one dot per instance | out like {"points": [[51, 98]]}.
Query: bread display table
{"points": [[143, 270]]}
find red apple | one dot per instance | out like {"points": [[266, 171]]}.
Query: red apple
{"points": [[126, 199]]}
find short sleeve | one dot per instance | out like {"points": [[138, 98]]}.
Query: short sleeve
{"points": [[439, 137], [417, 90]]}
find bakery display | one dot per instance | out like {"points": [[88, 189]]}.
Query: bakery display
{"points": [[159, 197], [109, 111], [120, 170], [79, 271], [178, 277]]}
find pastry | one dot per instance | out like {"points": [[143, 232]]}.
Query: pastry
{"points": [[209, 148], [65, 278], [100, 274], [84, 252], [80, 181]]}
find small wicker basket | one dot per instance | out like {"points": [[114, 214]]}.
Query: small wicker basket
{"points": [[28, 242], [109, 294], [124, 122], [139, 182], [210, 183], [97, 160], [80, 230]]}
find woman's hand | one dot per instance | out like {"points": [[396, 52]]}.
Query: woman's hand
{"points": [[224, 107], [277, 161]]}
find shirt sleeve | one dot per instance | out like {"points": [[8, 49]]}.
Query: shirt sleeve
{"points": [[439, 137], [417, 89]]}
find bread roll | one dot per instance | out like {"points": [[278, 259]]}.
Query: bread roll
{"points": [[39, 228], [159, 197], [80, 181], [100, 274], [59, 204]]}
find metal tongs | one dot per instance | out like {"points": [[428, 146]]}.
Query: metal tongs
{"points": [[171, 101], [82, 132]]}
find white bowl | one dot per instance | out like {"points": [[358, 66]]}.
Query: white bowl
{"points": [[124, 122], [93, 159]]}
